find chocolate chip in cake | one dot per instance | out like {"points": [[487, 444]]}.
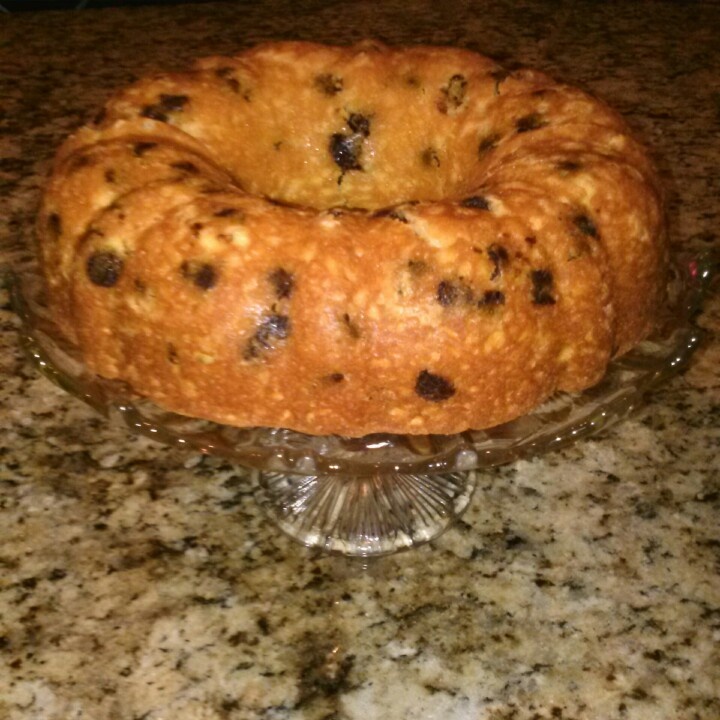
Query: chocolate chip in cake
{"points": [[447, 293], [345, 151], [154, 112], [542, 281], [488, 143], [328, 84], [432, 387], [491, 298], [226, 74], [351, 327], [453, 292], [569, 166], [283, 283], [203, 275], [110, 176], [140, 148], [359, 123], [166, 104], [452, 95], [335, 377], [233, 84], [533, 121], [54, 224], [478, 202], [273, 328], [585, 225], [430, 158], [104, 268], [499, 257]]}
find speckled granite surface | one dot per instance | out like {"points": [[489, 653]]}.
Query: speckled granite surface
{"points": [[141, 583]]}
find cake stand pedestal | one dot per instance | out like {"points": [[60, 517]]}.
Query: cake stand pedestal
{"points": [[364, 515]]}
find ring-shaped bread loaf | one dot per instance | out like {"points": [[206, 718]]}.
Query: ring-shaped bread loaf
{"points": [[353, 239]]}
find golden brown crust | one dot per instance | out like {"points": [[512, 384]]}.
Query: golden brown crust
{"points": [[353, 240]]}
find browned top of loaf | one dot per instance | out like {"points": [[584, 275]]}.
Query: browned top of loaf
{"points": [[353, 240]]}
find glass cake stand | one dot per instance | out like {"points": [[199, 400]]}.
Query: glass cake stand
{"points": [[380, 493]]}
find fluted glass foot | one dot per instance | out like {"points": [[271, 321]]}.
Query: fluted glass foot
{"points": [[364, 515]]}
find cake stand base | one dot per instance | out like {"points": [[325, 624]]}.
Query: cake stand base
{"points": [[364, 515]]}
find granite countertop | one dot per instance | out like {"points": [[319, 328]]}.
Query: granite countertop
{"points": [[141, 582]]}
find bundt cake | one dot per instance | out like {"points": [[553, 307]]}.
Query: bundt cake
{"points": [[353, 240]]}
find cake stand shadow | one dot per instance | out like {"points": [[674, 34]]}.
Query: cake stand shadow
{"points": [[381, 493]]}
